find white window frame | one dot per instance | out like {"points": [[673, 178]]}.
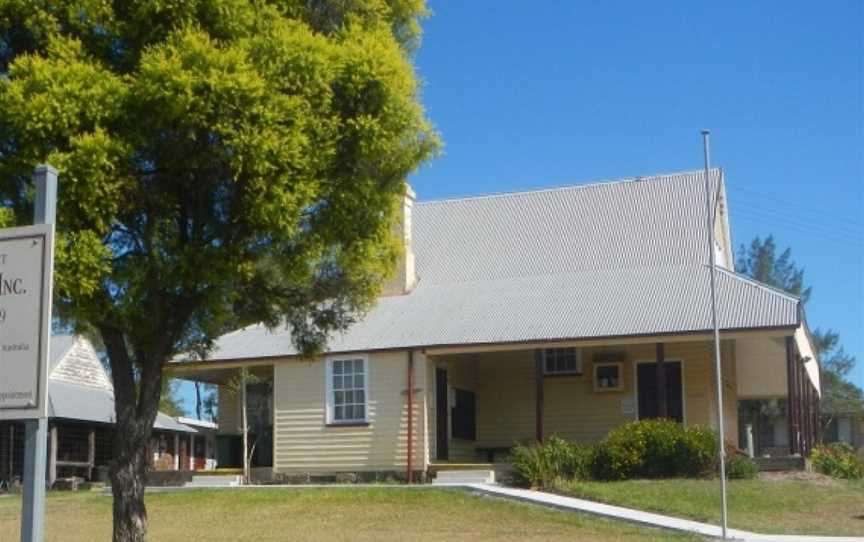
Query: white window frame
{"points": [[596, 370], [330, 398], [580, 366]]}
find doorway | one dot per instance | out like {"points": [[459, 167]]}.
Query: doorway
{"points": [[647, 392], [442, 404]]}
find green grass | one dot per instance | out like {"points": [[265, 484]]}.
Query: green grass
{"points": [[343, 513], [773, 507]]}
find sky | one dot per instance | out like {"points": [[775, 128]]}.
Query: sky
{"points": [[554, 93]]}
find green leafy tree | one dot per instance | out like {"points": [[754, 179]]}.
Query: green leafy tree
{"points": [[839, 395], [169, 402], [222, 162], [760, 261]]}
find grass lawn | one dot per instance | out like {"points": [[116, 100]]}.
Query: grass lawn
{"points": [[324, 514], [767, 506]]}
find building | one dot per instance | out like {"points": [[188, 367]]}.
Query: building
{"points": [[81, 418], [518, 316]]}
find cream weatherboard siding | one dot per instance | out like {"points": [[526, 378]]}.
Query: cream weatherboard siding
{"points": [[304, 443], [505, 384]]}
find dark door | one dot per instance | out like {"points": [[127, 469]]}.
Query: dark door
{"points": [[441, 408], [647, 383]]}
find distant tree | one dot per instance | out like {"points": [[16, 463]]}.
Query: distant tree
{"points": [[170, 403], [205, 401], [839, 395], [222, 162], [761, 262]]}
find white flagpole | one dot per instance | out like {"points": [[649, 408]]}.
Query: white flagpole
{"points": [[710, 208]]}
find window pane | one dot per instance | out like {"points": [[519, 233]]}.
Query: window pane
{"points": [[337, 367], [337, 382], [359, 412], [339, 397], [358, 381], [339, 413], [360, 396]]}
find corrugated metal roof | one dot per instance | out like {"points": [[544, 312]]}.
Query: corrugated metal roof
{"points": [[611, 259]]}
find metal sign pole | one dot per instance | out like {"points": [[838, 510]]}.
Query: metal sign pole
{"points": [[711, 208], [36, 430]]}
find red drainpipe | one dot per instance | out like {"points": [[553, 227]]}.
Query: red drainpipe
{"points": [[410, 473]]}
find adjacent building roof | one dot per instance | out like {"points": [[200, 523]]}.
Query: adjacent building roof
{"points": [[623, 258], [79, 388]]}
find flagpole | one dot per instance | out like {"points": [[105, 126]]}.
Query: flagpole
{"points": [[717, 365]]}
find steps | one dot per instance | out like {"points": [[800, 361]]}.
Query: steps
{"points": [[464, 476], [781, 463], [208, 481]]}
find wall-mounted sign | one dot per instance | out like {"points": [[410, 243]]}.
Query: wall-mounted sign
{"points": [[26, 266], [628, 406]]}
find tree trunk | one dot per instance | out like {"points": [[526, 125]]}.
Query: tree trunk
{"points": [[135, 407], [244, 420], [128, 480], [198, 399]]}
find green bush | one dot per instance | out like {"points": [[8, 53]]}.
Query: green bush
{"points": [[739, 467], [654, 449], [837, 460], [540, 464]]}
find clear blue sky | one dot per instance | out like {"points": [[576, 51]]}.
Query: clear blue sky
{"points": [[537, 94]]}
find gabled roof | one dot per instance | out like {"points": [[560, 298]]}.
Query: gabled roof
{"points": [[623, 258], [79, 388]]}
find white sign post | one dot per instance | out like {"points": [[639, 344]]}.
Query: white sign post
{"points": [[26, 272]]}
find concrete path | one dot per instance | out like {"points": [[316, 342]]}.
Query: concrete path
{"points": [[640, 517]]}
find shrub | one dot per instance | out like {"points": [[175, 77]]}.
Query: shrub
{"points": [[654, 449], [540, 464], [699, 453], [739, 467], [837, 460]]}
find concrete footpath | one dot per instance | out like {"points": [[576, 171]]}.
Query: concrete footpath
{"points": [[640, 517]]}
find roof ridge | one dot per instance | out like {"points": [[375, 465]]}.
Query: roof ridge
{"points": [[586, 185]]}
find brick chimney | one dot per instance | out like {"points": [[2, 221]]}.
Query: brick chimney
{"points": [[405, 277]]}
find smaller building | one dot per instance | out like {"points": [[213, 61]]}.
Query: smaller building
{"points": [[81, 423]]}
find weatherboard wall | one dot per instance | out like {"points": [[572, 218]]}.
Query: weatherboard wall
{"points": [[305, 443]]}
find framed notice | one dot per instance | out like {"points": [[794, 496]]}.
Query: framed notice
{"points": [[26, 267]]}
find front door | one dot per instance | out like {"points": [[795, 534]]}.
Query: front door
{"points": [[441, 414], [646, 378]]}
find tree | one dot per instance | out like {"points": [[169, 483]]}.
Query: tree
{"points": [[253, 414], [222, 162], [760, 262], [169, 403], [839, 395]]}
